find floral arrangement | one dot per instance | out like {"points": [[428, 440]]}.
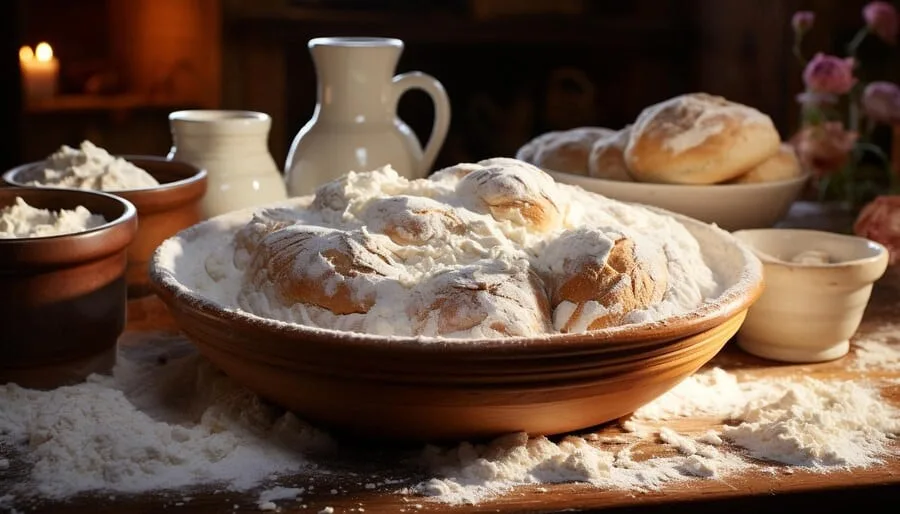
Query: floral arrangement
{"points": [[839, 114]]}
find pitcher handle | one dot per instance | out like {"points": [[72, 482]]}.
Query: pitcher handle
{"points": [[418, 80]]}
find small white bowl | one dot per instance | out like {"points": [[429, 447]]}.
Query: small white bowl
{"points": [[809, 311], [730, 206]]}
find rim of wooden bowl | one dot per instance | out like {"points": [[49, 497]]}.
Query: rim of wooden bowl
{"points": [[281, 339]]}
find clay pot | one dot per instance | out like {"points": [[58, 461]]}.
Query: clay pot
{"points": [[62, 298]]}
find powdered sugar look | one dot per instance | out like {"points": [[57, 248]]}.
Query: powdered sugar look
{"points": [[451, 231], [92, 167], [21, 220]]}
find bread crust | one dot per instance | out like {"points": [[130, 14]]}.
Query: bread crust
{"points": [[699, 138]]}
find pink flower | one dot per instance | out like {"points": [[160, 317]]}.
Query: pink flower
{"points": [[824, 149], [881, 102], [880, 222], [881, 18], [829, 74], [802, 21]]}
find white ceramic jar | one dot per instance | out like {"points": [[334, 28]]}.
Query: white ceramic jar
{"points": [[355, 125], [233, 148], [811, 306]]}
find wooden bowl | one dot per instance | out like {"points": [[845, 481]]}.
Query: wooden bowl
{"points": [[162, 211], [62, 298], [451, 389]]}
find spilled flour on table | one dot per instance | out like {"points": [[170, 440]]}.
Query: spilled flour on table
{"points": [[803, 422], [878, 349], [157, 425], [167, 420]]}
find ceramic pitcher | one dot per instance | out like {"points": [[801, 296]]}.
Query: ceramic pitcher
{"points": [[233, 147], [355, 125]]}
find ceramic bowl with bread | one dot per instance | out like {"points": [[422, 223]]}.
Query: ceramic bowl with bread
{"points": [[485, 299], [62, 283], [696, 154], [166, 193]]}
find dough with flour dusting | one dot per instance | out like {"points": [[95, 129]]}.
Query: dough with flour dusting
{"points": [[494, 249]]}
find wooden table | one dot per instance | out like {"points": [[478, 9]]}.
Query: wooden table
{"points": [[872, 489]]}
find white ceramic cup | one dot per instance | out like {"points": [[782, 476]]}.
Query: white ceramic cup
{"points": [[809, 311]]}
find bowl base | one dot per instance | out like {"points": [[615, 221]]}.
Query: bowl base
{"points": [[793, 354], [60, 374]]}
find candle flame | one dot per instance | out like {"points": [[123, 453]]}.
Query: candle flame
{"points": [[25, 53], [43, 51]]}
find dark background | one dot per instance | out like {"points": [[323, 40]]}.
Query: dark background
{"points": [[513, 69]]}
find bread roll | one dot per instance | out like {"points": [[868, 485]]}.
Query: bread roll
{"points": [[494, 299], [512, 190], [599, 289], [568, 152], [607, 158], [322, 267], [783, 165], [699, 139], [528, 152], [412, 220]]}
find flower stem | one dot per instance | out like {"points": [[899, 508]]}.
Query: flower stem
{"points": [[798, 50], [853, 45]]}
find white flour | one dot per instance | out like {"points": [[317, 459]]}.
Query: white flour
{"points": [[168, 420], [417, 248], [800, 422], [92, 167], [878, 349], [151, 426], [21, 220]]}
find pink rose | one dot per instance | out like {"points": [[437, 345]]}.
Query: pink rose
{"points": [[881, 102], [824, 149], [829, 74], [802, 21], [880, 222], [881, 18]]}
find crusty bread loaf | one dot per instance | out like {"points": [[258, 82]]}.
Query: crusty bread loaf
{"points": [[412, 220], [322, 267], [607, 158], [600, 291], [568, 151], [512, 190], [502, 301], [698, 139], [783, 165]]}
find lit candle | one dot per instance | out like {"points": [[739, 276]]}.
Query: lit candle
{"points": [[40, 71]]}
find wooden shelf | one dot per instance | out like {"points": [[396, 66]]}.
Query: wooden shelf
{"points": [[121, 102]]}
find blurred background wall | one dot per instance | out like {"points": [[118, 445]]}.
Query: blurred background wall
{"points": [[513, 69]]}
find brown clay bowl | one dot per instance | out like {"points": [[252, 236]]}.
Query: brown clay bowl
{"points": [[443, 389], [162, 211], [63, 298]]}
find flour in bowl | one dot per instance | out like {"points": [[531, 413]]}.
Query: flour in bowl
{"points": [[92, 167], [486, 250], [21, 220]]}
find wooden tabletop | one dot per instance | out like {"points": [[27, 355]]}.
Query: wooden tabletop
{"points": [[342, 486]]}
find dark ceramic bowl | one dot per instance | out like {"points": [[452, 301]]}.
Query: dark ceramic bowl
{"points": [[63, 298], [163, 211]]}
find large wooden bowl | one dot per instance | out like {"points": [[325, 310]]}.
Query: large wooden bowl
{"points": [[452, 389]]}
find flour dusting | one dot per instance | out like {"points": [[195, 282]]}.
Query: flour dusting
{"points": [[160, 422], [92, 167], [449, 258]]}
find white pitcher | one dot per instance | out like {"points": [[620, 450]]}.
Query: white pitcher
{"points": [[355, 125], [233, 148]]}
